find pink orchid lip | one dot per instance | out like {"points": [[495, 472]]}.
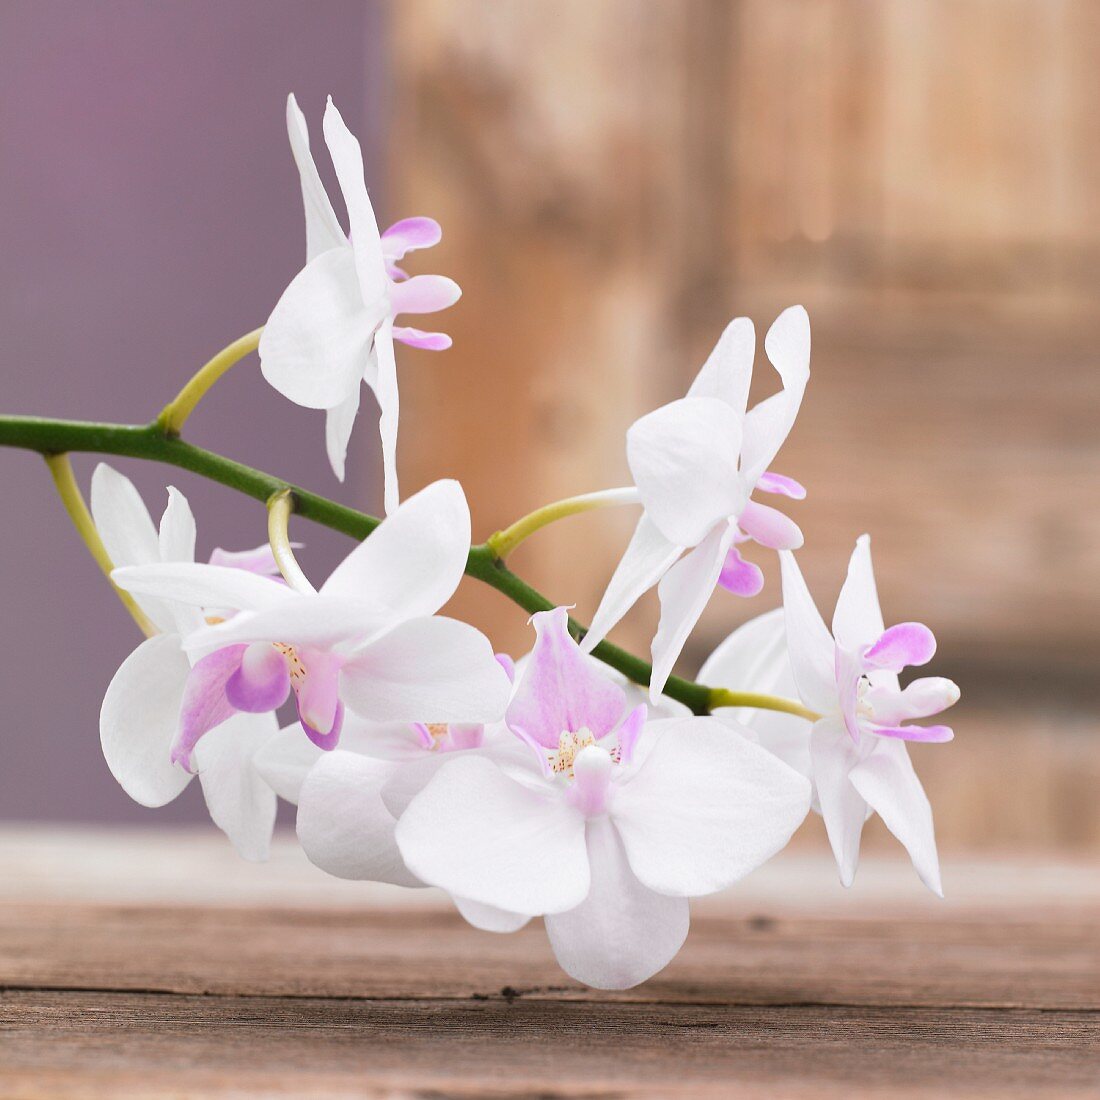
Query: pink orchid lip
{"points": [[261, 681], [935, 735], [325, 741], [900, 646], [418, 338], [742, 578], [769, 527], [782, 485]]}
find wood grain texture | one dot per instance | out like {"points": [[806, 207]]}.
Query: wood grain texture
{"points": [[227, 980]]}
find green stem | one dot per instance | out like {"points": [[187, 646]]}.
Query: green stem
{"points": [[502, 543], [279, 508], [153, 443], [174, 415]]}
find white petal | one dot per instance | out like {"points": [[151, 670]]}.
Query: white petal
{"points": [[809, 643], [139, 720], [684, 592], [833, 755], [347, 159], [857, 620], [488, 918], [316, 343], [201, 585], [623, 932], [646, 560], [323, 229], [768, 424], [343, 825], [706, 807], [389, 412], [284, 760], [427, 670], [411, 564], [480, 835], [728, 370], [339, 421], [887, 781], [684, 460], [240, 802], [128, 533], [177, 543], [754, 657]]}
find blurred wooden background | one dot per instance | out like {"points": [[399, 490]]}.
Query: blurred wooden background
{"points": [[617, 180]]}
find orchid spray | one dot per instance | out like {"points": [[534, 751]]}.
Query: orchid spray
{"points": [[580, 784]]}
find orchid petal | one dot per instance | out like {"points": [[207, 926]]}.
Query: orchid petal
{"points": [[424, 294], [323, 230], [177, 543], [857, 620], [138, 721], [922, 698], [418, 338], [768, 424], [888, 783], [241, 804], [629, 732], [647, 558], [809, 643], [343, 826], [623, 932], [260, 559], [260, 681], [203, 585], [488, 918], [389, 406], [934, 735], [427, 670], [900, 646], [366, 244], [742, 578], [684, 592], [408, 234], [413, 561], [562, 690], [481, 835], [842, 805], [128, 533], [728, 370], [706, 807], [770, 527], [205, 704], [317, 339], [316, 690], [781, 485], [339, 421], [684, 460]]}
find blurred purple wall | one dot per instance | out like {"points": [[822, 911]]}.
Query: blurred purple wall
{"points": [[149, 214]]}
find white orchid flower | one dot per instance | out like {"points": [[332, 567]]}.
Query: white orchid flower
{"points": [[855, 754], [369, 638], [612, 824], [333, 328], [696, 463], [140, 713]]}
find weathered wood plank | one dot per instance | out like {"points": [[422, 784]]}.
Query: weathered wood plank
{"points": [[760, 959], [67, 1045]]}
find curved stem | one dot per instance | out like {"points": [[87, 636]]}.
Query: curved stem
{"points": [[61, 469], [151, 442], [174, 415], [279, 507], [502, 543]]}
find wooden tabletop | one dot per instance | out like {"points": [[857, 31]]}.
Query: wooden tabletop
{"points": [[155, 964]]}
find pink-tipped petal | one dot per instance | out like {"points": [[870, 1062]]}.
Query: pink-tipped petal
{"points": [[922, 698], [901, 646], [261, 681], [934, 735], [782, 485], [742, 578], [424, 294], [629, 732], [258, 560], [315, 677], [326, 740], [204, 703], [409, 234], [770, 527], [418, 338], [562, 690]]}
